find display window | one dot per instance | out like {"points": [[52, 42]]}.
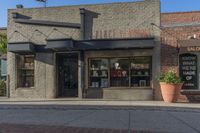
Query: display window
{"points": [[140, 71], [98, 73], [25, 70], [120, 72]]}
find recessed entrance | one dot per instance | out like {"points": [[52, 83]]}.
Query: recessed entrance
{"points": [[67, 69]]}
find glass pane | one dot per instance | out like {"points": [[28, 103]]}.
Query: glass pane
{"points": [[25, 64], [98, 73], [119, 72], [140, 71]]}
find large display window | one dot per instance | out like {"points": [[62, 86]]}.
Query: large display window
{"points": [[120, 72]]}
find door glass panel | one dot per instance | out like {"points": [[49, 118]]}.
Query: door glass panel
{"points": [[68, 75]]}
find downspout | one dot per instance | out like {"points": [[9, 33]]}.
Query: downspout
{"points": [[81, 57]]}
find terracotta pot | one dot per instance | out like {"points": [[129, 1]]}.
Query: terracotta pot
{"points": [[170, 92], [178, 91]]}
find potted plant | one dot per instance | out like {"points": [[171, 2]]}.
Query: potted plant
{"points": [[170, 85]]}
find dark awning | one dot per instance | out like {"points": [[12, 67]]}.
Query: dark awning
{"points": [[114, 44], [70, 44], [21, 47], [187, 46], [60, 44]]}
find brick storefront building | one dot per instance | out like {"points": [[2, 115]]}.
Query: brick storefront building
{"points": [[108, 51], [114, 50], [180, 38]]}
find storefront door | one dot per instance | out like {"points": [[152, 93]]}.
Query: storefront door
{"points": [[67, 74]]}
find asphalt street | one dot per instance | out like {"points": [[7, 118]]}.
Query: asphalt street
{"points": [[102, 119]]}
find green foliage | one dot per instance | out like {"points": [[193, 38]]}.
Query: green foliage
{"points": [[170, 77], [2, 88], [3, 43]]}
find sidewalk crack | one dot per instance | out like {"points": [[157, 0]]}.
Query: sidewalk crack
{"points": [[185, 123]]}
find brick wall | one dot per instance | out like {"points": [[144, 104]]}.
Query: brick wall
{"points": [[171, 34]]}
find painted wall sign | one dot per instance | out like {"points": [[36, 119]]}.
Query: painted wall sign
{"points": [[130, 33], [193, 49], [188, 70]]}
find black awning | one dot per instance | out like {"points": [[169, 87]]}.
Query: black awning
{"points": [[21, 47], [71, 45], [60, 44], [114, 44]]}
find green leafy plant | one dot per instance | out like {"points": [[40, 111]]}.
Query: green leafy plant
{"points": [[2, 88], [170, 77], [3, 43]]}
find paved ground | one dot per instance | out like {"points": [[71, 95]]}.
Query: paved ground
{"points": [[68, 101], [38, 117]]}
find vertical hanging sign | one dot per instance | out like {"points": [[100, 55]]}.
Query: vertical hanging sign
{"points": [[188, 70]]}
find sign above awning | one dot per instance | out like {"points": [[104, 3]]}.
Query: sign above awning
{"points": [[189, 46]]}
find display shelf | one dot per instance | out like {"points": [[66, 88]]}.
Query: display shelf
{"points": [[98, 76], [140, 75], [30, 75], [98, 69], [25, 69]]}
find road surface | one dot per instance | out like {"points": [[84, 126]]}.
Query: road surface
{"points": [[97, 119]]}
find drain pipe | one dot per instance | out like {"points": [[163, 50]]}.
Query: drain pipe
{"points": [[81, 57]]}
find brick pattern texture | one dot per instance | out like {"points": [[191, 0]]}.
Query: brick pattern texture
{"points": [[171, 35]]}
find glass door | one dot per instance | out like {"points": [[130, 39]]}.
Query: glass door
{"points": [[67, 74]]}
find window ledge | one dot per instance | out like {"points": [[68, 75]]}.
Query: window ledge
{"points": [[25, 88], [131, 88]]}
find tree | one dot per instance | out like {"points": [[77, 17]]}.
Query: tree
{"points": [[3, 43]]}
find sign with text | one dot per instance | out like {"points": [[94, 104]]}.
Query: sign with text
{"points": [[128, 33], [193, 49], [188, 70]]}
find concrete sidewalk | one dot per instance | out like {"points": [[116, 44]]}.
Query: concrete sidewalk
{"points": [[96, 102]]}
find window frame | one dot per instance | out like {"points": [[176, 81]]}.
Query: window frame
{"points": [[21, 66], [130, 58]]}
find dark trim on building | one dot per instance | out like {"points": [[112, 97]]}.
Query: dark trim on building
{"points": [[114, 44], [82, 30], [72, 45], [48, 23], [60, 44], [21, 47]]}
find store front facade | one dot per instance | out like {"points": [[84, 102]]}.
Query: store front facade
{"points": [[94, 51], [180, 50]]}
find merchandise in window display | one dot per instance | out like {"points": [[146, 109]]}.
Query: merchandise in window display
{"points": [[98, 73], [126, 72], [104, 82]]}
